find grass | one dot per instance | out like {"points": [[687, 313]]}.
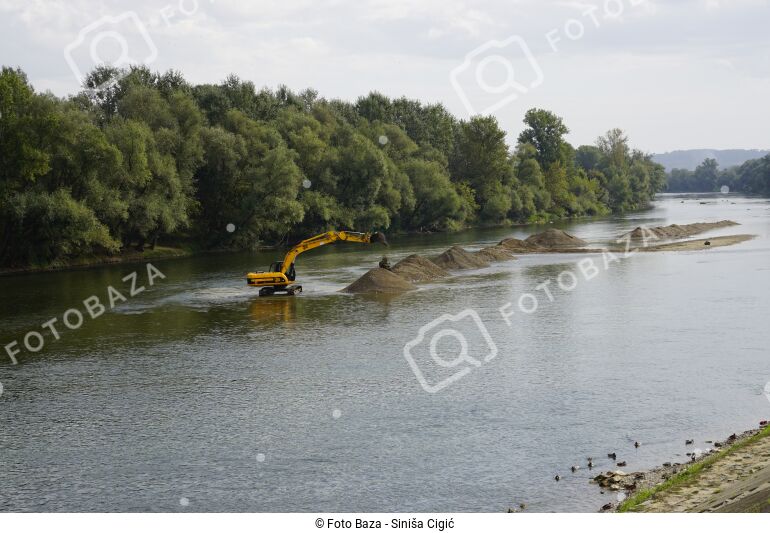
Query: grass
{"points": [[688, 474]]}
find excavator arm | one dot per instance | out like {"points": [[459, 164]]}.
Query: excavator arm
{"points": [[327, 238]]}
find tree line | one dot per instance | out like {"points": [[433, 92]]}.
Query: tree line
{"points": [[752, 177], [152, 158]]}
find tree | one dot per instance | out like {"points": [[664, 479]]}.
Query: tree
{"points": [[161, 144], [51, 163], [481, 159], [588, 157], [707, 175], [142, 157], [545, 131], [614, 147], [437, 203], [250, 180]]}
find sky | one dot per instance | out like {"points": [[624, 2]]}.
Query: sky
{"points": [[673, 74]]}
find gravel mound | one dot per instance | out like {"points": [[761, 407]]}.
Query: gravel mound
{"points": [[676, 231], [495, 253], [379, 280], [555, 238], [458, 259], [518, 246], [417, 268]]}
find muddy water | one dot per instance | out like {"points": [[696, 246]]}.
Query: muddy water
{"points": [[196, 392]]}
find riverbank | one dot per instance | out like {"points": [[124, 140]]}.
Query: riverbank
{"points": [[734, 476], [158, 253]]}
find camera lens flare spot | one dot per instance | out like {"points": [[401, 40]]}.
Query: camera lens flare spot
{"points": [[184, 502], [230, 227], [724, 189], [383, 140], [260, 457], [306, 183], [336, 413]]}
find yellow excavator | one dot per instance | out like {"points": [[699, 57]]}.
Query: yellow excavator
{"points": [[281, 275]]}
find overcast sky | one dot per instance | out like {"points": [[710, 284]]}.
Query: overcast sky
{"points": [[674, 74]]}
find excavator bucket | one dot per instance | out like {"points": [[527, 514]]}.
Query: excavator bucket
{"points": [[378, 236]]}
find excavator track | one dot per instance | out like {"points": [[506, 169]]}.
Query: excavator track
{"points": [[294, 289], [282, 291]]}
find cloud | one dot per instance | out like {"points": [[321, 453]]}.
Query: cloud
{"points": [[657, 59]]}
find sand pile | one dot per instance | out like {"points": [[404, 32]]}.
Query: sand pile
{"points": [[379, 280], [555, 238], [517, 246], [699, 244], [495, 253], [677, 231], [458, 259], [417, 268]]}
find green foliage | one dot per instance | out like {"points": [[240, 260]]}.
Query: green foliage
{"points": [[627, 179], [481, 159], [437, 203], [545, 131], [153, 158], [752, 177]]}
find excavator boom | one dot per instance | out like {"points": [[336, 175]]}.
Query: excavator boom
{"points": [[327, 238], [282, 274]]}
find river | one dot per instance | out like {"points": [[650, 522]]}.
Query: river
{"points": [[195, 395]]}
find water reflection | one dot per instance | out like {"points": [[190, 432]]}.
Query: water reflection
{"points": [[273, 309]]}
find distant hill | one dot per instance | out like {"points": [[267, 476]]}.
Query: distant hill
{"points": [[689, 159]]}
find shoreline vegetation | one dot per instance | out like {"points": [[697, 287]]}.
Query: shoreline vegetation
{"points": [[508, 246], [142, 158], [733, 476], [750, 178], [158, 253]]}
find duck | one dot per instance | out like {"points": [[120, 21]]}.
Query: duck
{"points": [[557, 477], [636, 444], [574, 468], [612, 455], [590, 463], [689, 441], [707, 243], [622, 463]]}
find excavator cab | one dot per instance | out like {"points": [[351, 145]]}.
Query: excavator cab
{"points": [[291, 273]]}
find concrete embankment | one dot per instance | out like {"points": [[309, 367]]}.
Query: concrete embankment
{"points": [[733, 477]]}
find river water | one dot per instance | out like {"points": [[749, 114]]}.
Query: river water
{"points": [[195, 395]]}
